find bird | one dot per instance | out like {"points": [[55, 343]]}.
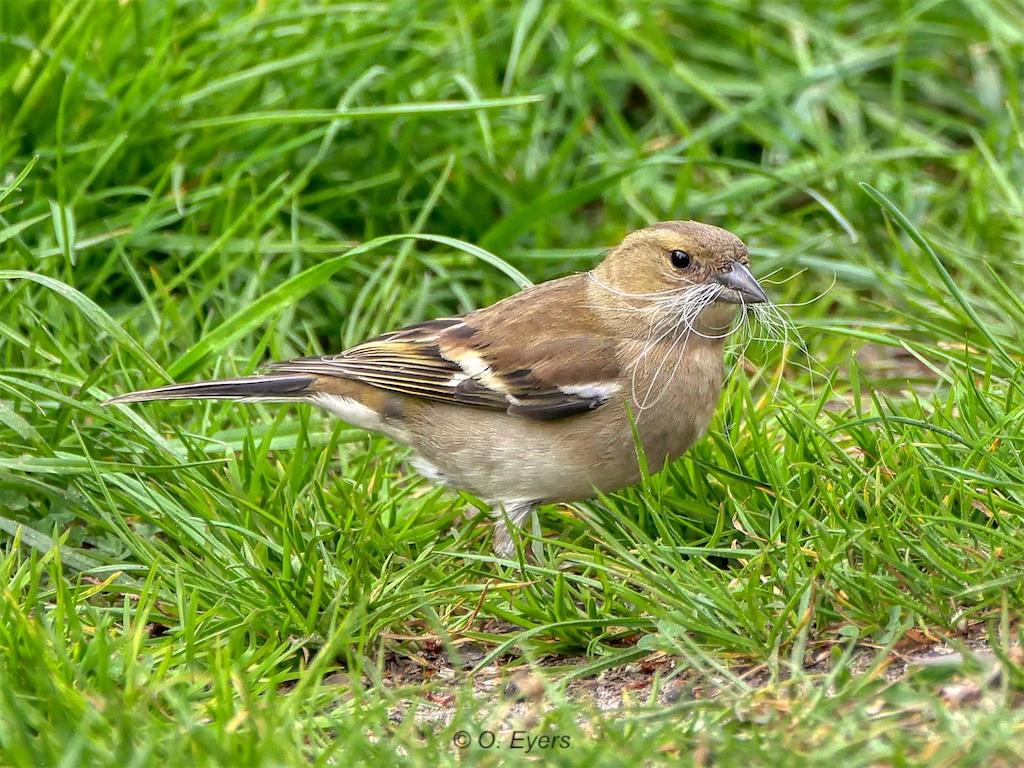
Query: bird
{"points": [[552, 395]]}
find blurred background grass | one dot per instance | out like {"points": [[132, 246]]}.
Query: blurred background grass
{"points": [[190, 188]]}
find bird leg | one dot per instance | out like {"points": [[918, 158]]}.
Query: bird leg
{"points": [[508, 515]]}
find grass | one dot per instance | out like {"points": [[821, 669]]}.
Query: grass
{"points": [[191, 188]]}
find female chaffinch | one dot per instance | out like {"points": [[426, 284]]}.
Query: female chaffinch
{"points": [[533, 400]]}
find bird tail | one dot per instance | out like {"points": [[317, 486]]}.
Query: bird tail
{"points": [[269, 387]]}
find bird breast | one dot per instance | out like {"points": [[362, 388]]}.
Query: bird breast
{"points": [[498, 456]]}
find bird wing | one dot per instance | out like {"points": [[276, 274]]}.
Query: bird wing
{"points": [[537, 375]]}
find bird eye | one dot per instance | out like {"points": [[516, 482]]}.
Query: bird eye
{"points": [[680, 259]]}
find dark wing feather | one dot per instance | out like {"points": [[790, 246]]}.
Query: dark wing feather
{"points": [[454, 361]]}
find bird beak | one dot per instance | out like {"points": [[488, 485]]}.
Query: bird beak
{"points": [[741, 285]]}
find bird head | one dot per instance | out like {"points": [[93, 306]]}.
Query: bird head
{"points": [[683, 271]]}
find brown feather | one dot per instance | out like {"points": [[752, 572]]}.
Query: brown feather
{"points": [[509, 357]]}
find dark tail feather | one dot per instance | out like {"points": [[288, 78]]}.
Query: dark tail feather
{"points": [[271, 387]]}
